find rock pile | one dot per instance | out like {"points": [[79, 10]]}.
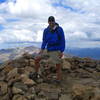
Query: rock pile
{"points": [[81, 80]]}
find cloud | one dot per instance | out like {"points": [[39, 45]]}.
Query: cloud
{"points": [[2, 20], [25, 20], [78, 35], [35, 8], [16, 35]]}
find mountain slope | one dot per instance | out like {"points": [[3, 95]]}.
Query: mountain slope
{"points": [[8, 54]]}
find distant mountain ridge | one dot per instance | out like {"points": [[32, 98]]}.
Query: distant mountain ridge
{"points": [[12, 53], [93, 53]]}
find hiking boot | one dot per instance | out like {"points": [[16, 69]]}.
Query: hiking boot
{"points": [[34, 76], [57, 81]]}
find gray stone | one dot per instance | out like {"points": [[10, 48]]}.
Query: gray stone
{"points": [[41, 94], [65, 97], [12, 73], [18, 97], [27, 81], [66, 65], [52, 96], [5, 97], [17, 91], [21, 86], [30, 96], [3, 88]]}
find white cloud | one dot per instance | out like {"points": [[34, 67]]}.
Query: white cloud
{"points": [[16, 35], [84, 5], [78, 35], [39, 35], [1, 40], [80, 20], [33, 8], [95, 35], [2, 20]]}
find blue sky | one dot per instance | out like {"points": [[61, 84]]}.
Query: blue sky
{"points": [[25, 20], [1, 1]]}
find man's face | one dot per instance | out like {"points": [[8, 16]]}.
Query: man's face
{"points": [[51, 24]]}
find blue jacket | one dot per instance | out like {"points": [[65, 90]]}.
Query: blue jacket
{"points": [[53, 41]]}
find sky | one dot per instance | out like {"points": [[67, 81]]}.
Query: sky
{"points": [[25, 20]]}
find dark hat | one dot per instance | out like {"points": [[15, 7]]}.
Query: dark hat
{"points": [[51, 19]]}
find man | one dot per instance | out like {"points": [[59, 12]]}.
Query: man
{"points": [[54, 42]]}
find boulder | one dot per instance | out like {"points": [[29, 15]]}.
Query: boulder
{"points": [[3, 88], [16, 90], [12, 74], [82, 92], [66, 65], [7, 69], [32, 62], [21, 85], [19, 97], [27, 81]]}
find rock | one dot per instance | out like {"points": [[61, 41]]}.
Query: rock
{"points": [[66, 65], [39, 80], [17, 91], [96, 94], [20, 62], [3, 88], [31, 90], [2, 76], [96, 75], [81, 92], [21, 70], [27, 81], [52, 96], [49, 92], [14, 79], [90, 70], [5, 97], [98, 67], [6, 63], [37, 98], [16, 63], [65, 97], [81, 73], [7, 69], [28, 70], [10, 93], [18, 80], [30, 96], [26, 55], [41, 94], [12, 74], [32, 62], [21, 86], [19, 97], [26, 61]]}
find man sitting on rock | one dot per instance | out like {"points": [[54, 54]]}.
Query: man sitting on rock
{"points": [[54, 43]]}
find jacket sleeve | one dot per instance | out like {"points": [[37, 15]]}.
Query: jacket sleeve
{"points": [[62, 39], [44, 41]]}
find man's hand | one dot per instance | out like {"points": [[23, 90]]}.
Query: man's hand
{"points": [[41, 51], [39, 54]]}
